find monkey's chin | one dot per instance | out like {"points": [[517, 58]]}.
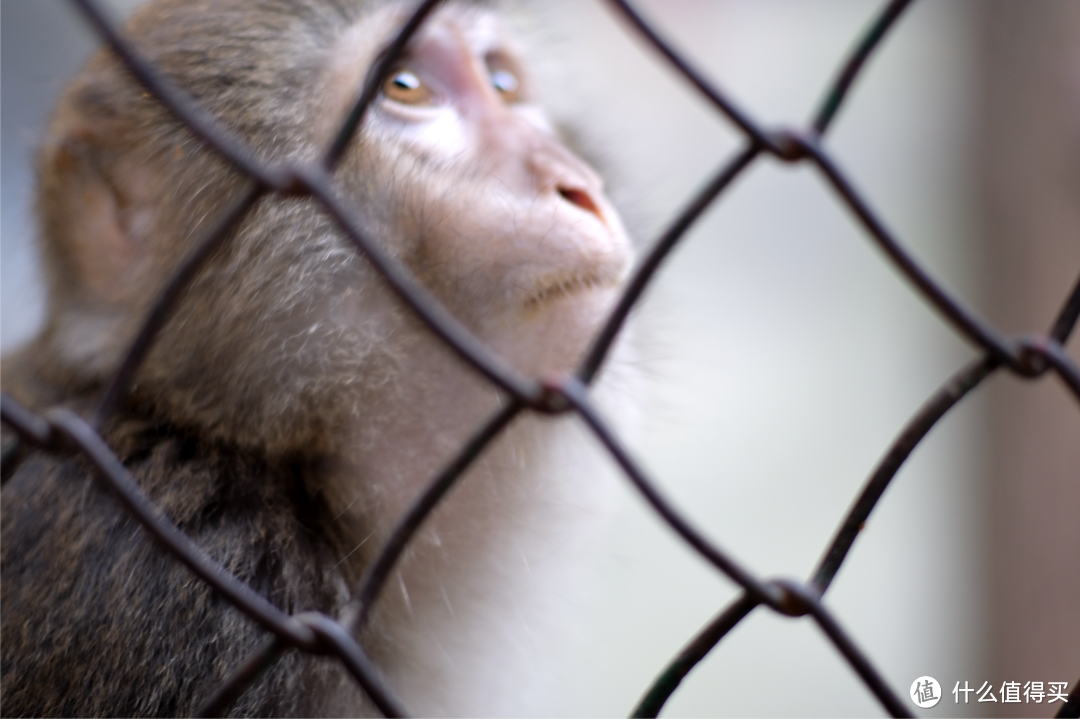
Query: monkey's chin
{"points": [[550, 334]]}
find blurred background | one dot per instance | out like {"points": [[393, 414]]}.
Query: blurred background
{"points": [[783, 354]]}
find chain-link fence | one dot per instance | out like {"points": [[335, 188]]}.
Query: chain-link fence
{"points": [[61, 430]]}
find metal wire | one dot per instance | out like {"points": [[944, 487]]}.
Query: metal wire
{"points": [[60, 430]]}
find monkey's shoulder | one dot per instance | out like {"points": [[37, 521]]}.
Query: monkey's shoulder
{"points": [[99, 619], [202, 486]]}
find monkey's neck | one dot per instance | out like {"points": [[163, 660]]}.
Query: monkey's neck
{"points": [[470, 602]]}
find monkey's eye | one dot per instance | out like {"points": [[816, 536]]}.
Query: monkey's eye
{"points": [[506, 84], [405, 87], [504, 76]]}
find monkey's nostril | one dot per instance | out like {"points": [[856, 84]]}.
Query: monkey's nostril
{"points": [[581, 199]]}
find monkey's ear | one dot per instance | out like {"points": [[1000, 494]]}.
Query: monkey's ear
{"points": [[97, 211]]}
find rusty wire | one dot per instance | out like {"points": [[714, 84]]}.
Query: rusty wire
{"points": [[60, 430]]}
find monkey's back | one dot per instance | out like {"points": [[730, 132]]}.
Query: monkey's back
{"points": [[98, 619]]}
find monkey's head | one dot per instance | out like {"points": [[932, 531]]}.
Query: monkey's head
{"points": [[287, 332]]}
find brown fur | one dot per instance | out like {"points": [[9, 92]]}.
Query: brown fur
{"points": [[163, 642]]}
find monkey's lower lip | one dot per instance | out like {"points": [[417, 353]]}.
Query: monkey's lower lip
{"points": [[566, 286]]}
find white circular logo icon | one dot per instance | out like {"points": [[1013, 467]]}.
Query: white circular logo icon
{"points": [[925, 692]]}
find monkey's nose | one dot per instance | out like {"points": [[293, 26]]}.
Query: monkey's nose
{"points": [[582, 199]]}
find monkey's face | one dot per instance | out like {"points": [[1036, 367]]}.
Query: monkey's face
{"points": [[287, 333], [495, 215]]}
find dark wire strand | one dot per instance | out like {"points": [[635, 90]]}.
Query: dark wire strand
{"points": [[227, 694], [957, 388], [438, 319], [373, 82], [853, 67], [917, 428], [179, 103], [211, 241], [378, 571], [962, 319], [757, 135], [661, 249], [1066, 319], [576, 395], [669, 679], [116, 478]]}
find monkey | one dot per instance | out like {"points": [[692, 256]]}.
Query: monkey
{"points": [[292, 406]]}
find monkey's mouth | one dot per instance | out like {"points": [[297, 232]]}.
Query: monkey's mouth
{"points": [[551, 289]]}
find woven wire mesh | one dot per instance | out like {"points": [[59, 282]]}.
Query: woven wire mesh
{"points": [[1028, 356]]}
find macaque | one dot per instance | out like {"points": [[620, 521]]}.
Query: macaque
{"points": [[292, 406]]}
